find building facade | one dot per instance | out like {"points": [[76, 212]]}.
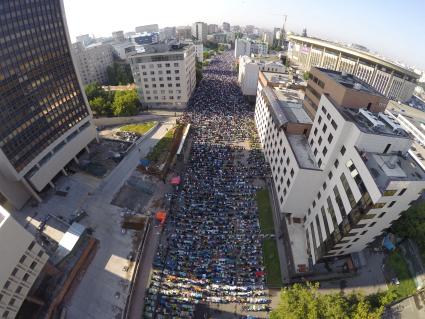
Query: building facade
{"points": [[164, 74], [212, 28], [167, 33], [390, 79], [144, 38], [340, 175], [149, 28], [200, 31], [226, 27], [21, 262], [44, 111], [118, 36], [92, 61], [184, 32], [248, 47]]}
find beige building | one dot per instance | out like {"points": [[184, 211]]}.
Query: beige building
{"points": [[92, 61], [388, 78], [22, 260], [164, 74]]}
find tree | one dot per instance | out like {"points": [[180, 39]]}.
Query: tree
{"points": [[126, 103], [94, 90], [119, 74], [206, 55], [304, 301], [306, 76]]}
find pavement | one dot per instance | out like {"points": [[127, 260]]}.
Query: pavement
{"points": [[103, 290]]}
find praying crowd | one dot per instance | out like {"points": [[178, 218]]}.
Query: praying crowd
{"points": [[212, 247]]}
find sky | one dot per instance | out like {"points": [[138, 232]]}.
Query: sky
{"points": [[394, 28]]}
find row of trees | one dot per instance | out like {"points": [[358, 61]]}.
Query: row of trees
{"points": [[112, 103], [305, 301]]}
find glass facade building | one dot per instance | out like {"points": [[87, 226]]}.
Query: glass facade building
{"points": [[40, 95]]}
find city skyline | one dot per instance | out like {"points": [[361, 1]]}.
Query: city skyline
{"points": [[331, 20]]}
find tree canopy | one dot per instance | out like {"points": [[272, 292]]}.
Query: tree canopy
{"points": [[305, 302], [126, 103], [119, 74]]}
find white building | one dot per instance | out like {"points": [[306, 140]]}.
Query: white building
{"points": [[249, 69], [248, 47], [92, 61], [21, 262], [200, 31], [226, 27], [164, 74], [340, 176], [242, 47], [268, 38]]}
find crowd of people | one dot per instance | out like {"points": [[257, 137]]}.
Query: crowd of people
{"points": [[212, 252]]}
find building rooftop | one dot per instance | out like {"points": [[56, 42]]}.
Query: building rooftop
{"points": [[350, 81], [392, 167], [157, 48], [371, 123], [302, 151]]}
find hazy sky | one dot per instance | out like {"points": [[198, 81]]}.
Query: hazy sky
{"points": [[395, 28]]}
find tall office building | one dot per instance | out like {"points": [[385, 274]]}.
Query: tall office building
{"points": [[44, 112], [226, 27], [200, 31], [21, 262], [164, 74], [341, 167]]}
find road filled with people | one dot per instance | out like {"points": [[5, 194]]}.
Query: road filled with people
{"points": [[212, 247]]}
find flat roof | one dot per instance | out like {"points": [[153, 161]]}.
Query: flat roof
{"points": [[350, 81], [160, 48], [416, 116], [385, 168], [361, 118], [361, 54], [302, 151]]}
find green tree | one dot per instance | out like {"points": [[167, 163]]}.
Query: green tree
{"points": [[94, 90], [119, 74], [306, 76], [97, 105], [126, 103], [304, 301], [206, 55]]}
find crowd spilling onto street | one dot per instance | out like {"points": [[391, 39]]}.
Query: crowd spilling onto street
{"points": [[212, 247]]}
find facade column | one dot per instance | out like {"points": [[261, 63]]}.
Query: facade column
{"points": [[322, 58], [388, 86], [51, 184], [338, 62], [31, 190], [64, 172], [87, 150], [373, 76], [356, 67], [76, 160]]}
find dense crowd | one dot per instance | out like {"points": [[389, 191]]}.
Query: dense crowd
{"points": [[212, 252]]}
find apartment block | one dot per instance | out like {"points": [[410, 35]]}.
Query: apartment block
{"points": [[21, 262], [92, 61], [248, 47], [164, 74], [341, 173], [45, 114], [200, 31]]}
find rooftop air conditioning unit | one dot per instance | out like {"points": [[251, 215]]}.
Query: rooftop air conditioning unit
{"points": [[357, 86]]}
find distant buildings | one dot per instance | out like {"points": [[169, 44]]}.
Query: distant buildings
{"points": [[249, 69], [226, 27], [92, 61], [200, 31], [212, 28], [217, 38], [164, 74], [21, 262], [118, 36], [144, 38], [85, 39], [184, 32], [167, 33], [340, 165], [46, 120], [120, 50], [149, 28], [390, 79], [248, 47], [268, 38]]}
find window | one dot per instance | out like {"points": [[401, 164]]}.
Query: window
{"points": [[325, 151], [25, 278], [324, 185], [319, 119], [336, 163], [363, 232], [343, 150], [330, 175], [382, 214], [320, 140], [33, 265], [14, 272], [378, 205], [330, 138], [391, 204], [334, 125], [18, 290], [324, 110], [22, 259], [31, 246], [314, 203], [328, 116], [6, 284], [402, 191], [315, 152], [319, 195], [387, 148], [390, 192], [319, 163], [372, 224], [292, 172], [325, 127], [315, 131], [12, 302]]}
